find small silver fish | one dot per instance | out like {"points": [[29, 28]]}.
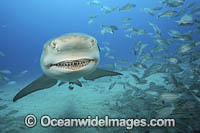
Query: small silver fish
{"points": [[169, 13], [127, 7], [2, 54], [112, 85], [11, 82]]}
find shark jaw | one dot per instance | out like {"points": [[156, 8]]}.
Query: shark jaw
{"points": [[73, 65]]}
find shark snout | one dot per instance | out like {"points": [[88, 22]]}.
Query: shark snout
{"points": [[73, 42]]}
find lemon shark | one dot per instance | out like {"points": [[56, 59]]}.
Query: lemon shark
{"points": [[67, 58]]}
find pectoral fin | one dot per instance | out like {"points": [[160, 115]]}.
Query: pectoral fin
{"points": [[41, 83], [98, 73]]}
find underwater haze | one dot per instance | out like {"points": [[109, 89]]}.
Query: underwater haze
{"points": [[151, 46]]}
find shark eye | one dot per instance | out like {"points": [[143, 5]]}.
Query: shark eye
{"points": [[53, 45], [92, 42]]}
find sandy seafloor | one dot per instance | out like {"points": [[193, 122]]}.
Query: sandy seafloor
{"points": [[94, 98]]}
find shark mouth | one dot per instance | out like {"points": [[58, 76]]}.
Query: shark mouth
{"points": [[72, 64]]}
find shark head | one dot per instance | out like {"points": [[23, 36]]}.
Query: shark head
{"points": [[70, 57]]}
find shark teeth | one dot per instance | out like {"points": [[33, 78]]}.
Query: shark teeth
{"points": [[72, 64]]}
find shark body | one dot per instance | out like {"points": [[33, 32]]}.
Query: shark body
{"points": [[67, 58]]}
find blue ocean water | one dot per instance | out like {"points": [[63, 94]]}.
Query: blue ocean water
{"points": [[29, 24], [26, 25]]}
